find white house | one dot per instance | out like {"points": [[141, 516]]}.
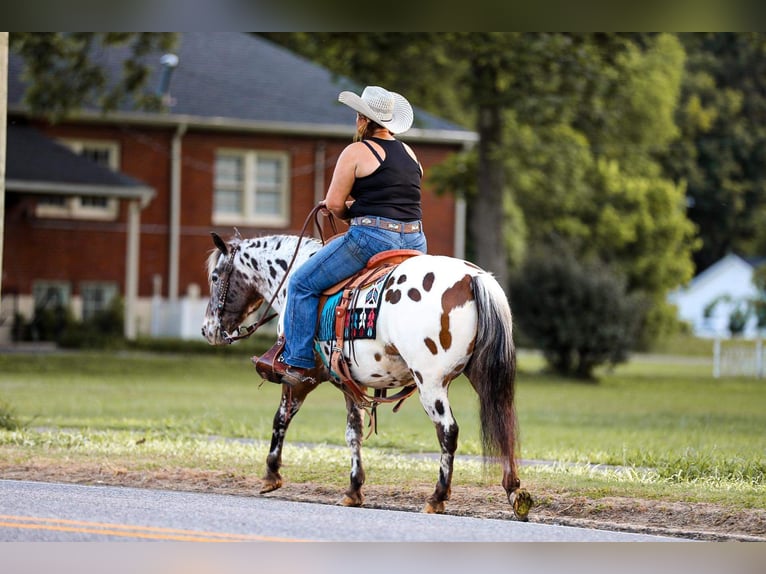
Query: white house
{"points": [[708, 301]]}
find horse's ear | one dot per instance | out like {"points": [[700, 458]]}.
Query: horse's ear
{"points": [[219, 243]]}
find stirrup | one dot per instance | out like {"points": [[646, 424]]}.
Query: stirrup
{"points": [[265, 364]]}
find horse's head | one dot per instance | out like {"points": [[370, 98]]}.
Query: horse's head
{"points": [[233, 295]]}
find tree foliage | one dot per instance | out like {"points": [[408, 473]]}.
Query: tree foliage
{"points": [[721, 154], [759, 303]]}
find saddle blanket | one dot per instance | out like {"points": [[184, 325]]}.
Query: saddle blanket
{"points": [[362, 316]]}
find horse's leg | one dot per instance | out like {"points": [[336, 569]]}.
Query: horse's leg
{"points": [[290, 404], [436, 404], [354, 421], [520, 499]]}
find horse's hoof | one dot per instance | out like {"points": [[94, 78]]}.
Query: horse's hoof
{"points": [[522, 502], [434, 507], [270, 485], [353, 502]]}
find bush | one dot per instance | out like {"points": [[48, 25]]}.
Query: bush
{"points": [[47, 324], [579, 315], [103, 330], [8, 418]]}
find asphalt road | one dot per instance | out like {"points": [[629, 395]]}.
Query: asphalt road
{"points": [[35, 511]]}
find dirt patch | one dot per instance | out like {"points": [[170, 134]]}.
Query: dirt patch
{"points": [[698, 521]]}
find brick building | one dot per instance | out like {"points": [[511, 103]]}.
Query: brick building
{"points": [[249, 139]]}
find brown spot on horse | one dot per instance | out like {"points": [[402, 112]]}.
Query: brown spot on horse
{"points": [[456, 296]]}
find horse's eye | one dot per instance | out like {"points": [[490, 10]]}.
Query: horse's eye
{"points": [[214, 278]]}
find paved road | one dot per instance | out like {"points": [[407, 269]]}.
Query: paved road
{"points": [[35, 511]]}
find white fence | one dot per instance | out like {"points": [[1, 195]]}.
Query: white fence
{"points": [[178, 319], [739, 359], [183, 318]]}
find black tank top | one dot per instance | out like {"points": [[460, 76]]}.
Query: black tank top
{"points": [[393, 189]]}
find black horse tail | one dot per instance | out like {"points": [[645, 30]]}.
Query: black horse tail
{"points": [[492, 372]]}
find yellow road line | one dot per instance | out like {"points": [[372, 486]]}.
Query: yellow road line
{"points": [[130, 531]]}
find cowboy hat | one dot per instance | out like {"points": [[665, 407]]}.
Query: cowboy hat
{"points": [[388, 109]]}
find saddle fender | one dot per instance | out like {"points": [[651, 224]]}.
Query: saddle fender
{"points": [[378, 265]]}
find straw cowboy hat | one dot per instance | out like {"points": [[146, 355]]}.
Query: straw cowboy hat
{"points": [[388, 109]]}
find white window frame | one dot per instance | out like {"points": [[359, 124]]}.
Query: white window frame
{"points": [[63, 288], [72, 207], [247, 215], [109, 288]]}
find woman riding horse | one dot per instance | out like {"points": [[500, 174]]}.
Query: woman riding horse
{"points": [[381, 176]]}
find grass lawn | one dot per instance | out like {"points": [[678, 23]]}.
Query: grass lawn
{"points": [[683, 434]]}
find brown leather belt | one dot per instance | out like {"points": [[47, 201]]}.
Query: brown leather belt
{"points": [[388, 224]]}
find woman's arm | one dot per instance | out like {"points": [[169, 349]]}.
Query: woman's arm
{"points": [[342, 182]]}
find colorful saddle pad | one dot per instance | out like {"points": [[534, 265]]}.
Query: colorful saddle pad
{"points": [[362, 316]]}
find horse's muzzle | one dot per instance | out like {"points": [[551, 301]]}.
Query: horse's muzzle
{"points": [[212, 333]]}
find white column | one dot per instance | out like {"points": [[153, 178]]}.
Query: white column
{"points": [[3, 121], [174, 231], [131, 268], [460, 216]]}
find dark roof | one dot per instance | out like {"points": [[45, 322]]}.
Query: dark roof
{"points": [[35, 162], [238, 76]]}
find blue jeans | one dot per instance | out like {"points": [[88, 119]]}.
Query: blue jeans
{"points": [[336, 261]]}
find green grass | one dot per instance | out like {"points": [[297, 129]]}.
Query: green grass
{"points": [[684, 345], [684, 434]]}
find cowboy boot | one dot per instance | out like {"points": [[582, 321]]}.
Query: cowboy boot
{"points": [[298, 375], [271, 366], [264, 365]]}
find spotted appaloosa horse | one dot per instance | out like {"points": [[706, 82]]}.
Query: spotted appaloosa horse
{"points": [[438, 317]]}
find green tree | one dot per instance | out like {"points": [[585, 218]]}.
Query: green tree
{"points": [[721, 154], [64, 73], [579, 154], [759, 303]]}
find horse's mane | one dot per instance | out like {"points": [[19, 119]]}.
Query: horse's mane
{"points": [[235, 240]]}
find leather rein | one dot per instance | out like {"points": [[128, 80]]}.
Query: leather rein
{"points": [[350, 387], [243, 332]]}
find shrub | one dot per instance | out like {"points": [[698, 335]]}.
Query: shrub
{"points": [[103, 330], [8, 418], [578, 314], [47, 324]]}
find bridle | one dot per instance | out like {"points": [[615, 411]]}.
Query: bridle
{"points": [[244, 332], [240, 332]]}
